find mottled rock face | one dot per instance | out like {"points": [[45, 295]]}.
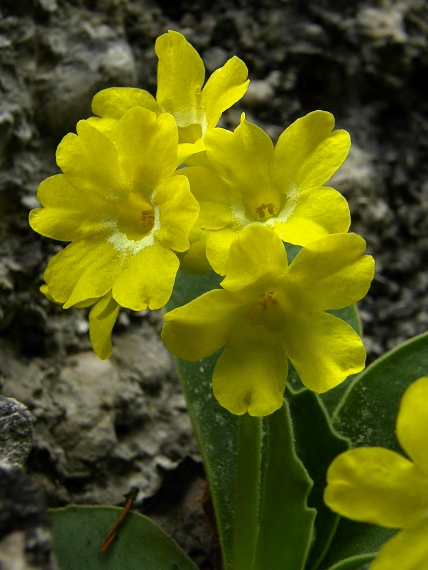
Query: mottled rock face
{"points": [[25, 537], [100, 428], [16, 431], [120, 418]]}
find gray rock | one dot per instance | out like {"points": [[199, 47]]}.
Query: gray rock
{"points": [[260, 93], [214, 57], [16, 431], [25, 537], [383, 24], [122, 417], [91, 58]]}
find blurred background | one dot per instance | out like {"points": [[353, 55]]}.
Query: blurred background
{"points": [[101, 427]]}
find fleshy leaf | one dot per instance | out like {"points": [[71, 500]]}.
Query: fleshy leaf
{"points": [[369, 408], [79, 531], [317, 444], [367, 415], [286, 523], [353, 563], [216, 430], [354, 539]]}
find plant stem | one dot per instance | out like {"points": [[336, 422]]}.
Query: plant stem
{"points": [[247, 486]]}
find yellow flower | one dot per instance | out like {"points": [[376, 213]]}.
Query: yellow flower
{"points": [[269, 311], [181, 75], [123, 210], [379, 486], [251, 182]]}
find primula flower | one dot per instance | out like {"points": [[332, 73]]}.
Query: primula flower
{"points": [[269, 311], [379, 486], [125, 213], [252, 182], [180, 92]]}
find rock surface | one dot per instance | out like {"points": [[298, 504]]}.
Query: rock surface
{"points": [[25, 537], [16, 431], [100, 428]]}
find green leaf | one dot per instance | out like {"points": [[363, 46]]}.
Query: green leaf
{"points": [[317, 444], [247, 492], [353, 539], [216, 429], [79, 531], [286, 523], [354, 563], [367, 415], [368, 411]]}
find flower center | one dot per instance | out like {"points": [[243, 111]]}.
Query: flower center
{"points": [[147, 219], [261, 211], [267, 298], [268, 310], [263, 205], [136, 216]]}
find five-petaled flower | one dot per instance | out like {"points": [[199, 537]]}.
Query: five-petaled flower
{"points": [[249, 181], [379, 486], [124, 211], [269, 311], [180, 92]]}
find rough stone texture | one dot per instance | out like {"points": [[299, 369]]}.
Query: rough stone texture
{"points": [[16, 431], [365, 61], [101, 427], [25, 537]]}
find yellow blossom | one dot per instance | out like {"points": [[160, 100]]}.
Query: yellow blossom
{"points": [[125, 213], [249, 181], [379, 486], [180, 92], [268, 311]]}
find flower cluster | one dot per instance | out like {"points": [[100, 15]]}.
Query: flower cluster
{"points": [[150, 185], [379, 486]]}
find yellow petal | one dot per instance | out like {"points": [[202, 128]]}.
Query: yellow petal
{"points": [[408, 550], [116, 101], [242, 158], [90, 160], [186, 151], [331, 273], [251, 374], [218, 246], [323, 349], [307, 154], [318, 212], [378, 486], [223, 89], [147, 147], [257, 254], [194, 260], [181, 74], [70, 213], [101, 321], [412, 423], [83, 270], [201, 327], [178, 212], [106, 125], [212, 194], [147, 279], [45, 290]]}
